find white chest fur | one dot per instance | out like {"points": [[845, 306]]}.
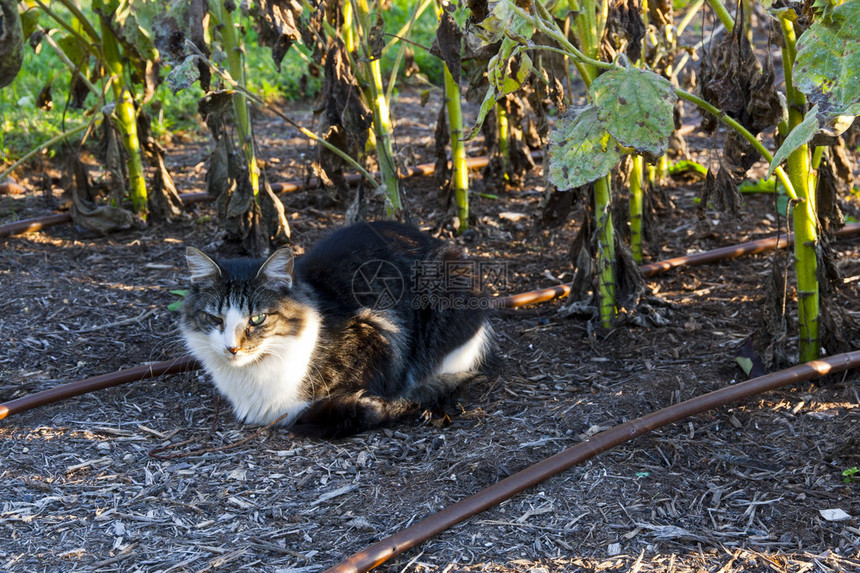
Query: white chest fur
{"points": [[265, 386]]}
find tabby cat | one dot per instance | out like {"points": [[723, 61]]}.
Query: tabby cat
{"points": [[341, 339]]}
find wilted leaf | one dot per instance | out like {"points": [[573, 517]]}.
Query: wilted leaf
{"points": [[828, 62], [180, 24], [749, 360], [766, 106], [581, 150], [727, 72], [798, 136], [129, 21], [448, 44], [278, 24], [164, 201], [721, 187], [624, 28], [11, 42], [636, 106], [102, 219], [274, 218], [184, 75], [827, 198]]}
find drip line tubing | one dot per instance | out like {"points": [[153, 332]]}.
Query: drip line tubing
{"points": [[430, 526], [651, 269], [187, 363], [38, 223], [135, 374]]}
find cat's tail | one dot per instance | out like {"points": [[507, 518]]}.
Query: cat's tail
{"points": [[340, 416]]}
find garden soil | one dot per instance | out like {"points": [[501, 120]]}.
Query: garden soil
{"points": [[746, 487]]}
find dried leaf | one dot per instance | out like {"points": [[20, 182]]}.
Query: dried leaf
{"points": [[448, 43], [101, 219], [726, 75], [278, 23], [625, 29]]}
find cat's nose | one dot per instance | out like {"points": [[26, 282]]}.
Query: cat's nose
{"points": [[232, 349]]}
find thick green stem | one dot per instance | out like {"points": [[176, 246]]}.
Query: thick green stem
{"points": [[605, 251], [236, 66], [347, 27], [503, 133], [381, 114], [458, 150], [384, 152], [804, 215], [805, 263], [661, 168], [126, 120], [636, 203]]}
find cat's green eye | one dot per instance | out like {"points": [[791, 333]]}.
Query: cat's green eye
{"points": [[257, 319]]}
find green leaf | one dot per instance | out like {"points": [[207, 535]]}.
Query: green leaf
{"points": [[512, 84], [486, 108], [503, 21], [745, 363], [580, 150], [635, 106], [799, 135], [828, 62], [177, 304]]}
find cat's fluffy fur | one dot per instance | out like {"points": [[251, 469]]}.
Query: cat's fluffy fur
{"points": [[329, 359]]}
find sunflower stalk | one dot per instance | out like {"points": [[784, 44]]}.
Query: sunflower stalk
{"points": [[236, 66], [636, 203], [503, 134], [458, 150], [804, 214], [125, 118], [382, 126]]}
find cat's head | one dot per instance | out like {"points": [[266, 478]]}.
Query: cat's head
{"points": [[237, 311]]}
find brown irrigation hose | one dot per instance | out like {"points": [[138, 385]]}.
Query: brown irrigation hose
{"points": [[35, 224], [395, 544], [651, 269], [181, 364], [541, 295]]}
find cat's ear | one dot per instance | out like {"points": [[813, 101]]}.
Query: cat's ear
{"points": [[201, 266], [278, 268]]}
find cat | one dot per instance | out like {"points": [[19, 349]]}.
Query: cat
{"points": [[351, 336]]}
